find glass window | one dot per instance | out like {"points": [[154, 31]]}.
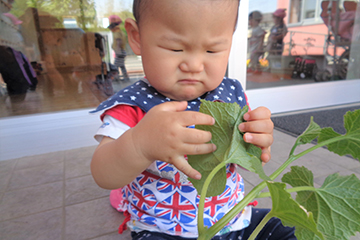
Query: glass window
{"points": [[291, 54], [309, 9], [60, 55]]}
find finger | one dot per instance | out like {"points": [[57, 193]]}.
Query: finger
{"points": [[196, 118], [196, 136], [173, 106], [199, 149], [257, 114], [265, 155], [260, 140], [260, 126], [182, 165]]}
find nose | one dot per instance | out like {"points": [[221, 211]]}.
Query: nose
{"points": [[192, 64]]}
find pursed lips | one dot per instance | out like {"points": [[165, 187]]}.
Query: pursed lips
{"points": [[189, 81]]}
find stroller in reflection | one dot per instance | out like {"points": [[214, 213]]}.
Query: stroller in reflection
{"points": [[109, 72], [340, 24]]}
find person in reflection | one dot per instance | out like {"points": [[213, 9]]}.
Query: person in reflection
{"points": [[145, 136], [256, 42], [275, 44], [17, 73], [118, 45]]}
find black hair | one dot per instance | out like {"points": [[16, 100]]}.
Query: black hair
{"points": [[140, 5]]}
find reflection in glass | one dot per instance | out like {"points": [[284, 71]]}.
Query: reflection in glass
{"points": [[68, 47], [309, 9], [321, 37]]}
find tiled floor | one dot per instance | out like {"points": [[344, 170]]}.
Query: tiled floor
{"points": [[53, 196]]}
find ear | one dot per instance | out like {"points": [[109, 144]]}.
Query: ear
{"points": [[132, 30]]}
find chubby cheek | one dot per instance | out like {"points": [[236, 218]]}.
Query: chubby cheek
{"points": [[158, 70], [215, 74]]}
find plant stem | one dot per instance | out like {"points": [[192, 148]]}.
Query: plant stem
{"points": [[292, 157], [289, 190], [234, 211], [201, 228], [254, 193], [260, 226]]}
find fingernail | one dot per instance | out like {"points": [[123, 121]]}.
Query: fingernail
{"points": [[242, 127], [248, 138], [246, 116], [198, 176]]}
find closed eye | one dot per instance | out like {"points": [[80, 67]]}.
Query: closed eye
{"points": [[176, 50]]}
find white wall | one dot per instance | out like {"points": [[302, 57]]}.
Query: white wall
{"points": [[42, 133]]}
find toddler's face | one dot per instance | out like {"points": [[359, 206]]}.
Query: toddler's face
{"points": [[185, 45]]}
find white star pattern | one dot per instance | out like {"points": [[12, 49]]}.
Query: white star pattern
{"points": [[142, 93]]}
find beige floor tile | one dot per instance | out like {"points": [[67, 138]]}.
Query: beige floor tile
{"points": [[91, 219], [39, 160], [31, 200], [83, 189], [4, 180], [77, 167], [42, 226], [7, 166], [80, 153], [38, 175]]}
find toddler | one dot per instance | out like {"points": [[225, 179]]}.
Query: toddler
{"points": [[256, 41], [277, 33], [145, 136], [118, 45]]}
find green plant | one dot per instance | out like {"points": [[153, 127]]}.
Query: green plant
{"points": [[329, 212]]}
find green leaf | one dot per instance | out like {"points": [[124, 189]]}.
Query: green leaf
{"points": [[351, 142], [231, 147], [289, 211], [335, 206], [311, 132]]}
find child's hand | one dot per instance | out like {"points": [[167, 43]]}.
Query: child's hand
{"points": [[163, 135], [259, 130]]}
